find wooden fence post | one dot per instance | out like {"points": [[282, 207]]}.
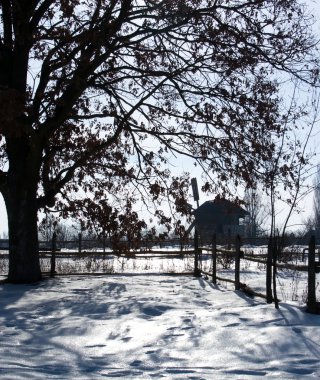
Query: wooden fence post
{"points": [[269, 272], [104, 243], [276, 252], [53, 255], [229, 239], [237, 264], [197, 272], [214, 259], [312, 301], [80, 242]]}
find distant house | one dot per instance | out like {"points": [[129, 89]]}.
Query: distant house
{"points": [[312, 232], [220, 217]]}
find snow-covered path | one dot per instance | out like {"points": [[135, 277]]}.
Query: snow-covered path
{"points": [[151, 327]]}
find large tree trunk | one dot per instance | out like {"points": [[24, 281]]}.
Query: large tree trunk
{"points": [[21, 203], [24, 265]]}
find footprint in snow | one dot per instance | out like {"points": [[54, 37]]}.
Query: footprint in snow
{"points": [[155, 311], [297, 330]]}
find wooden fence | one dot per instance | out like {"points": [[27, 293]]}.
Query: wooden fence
{"points": [[81, 248], [84, 252], [270, 259], [80, 243]]}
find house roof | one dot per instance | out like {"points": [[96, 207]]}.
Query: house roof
{"points": [[219, 207]]}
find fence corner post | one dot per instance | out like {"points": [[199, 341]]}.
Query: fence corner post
{"points": [[104, 243], [79, 242], [312, 300], [269, 271], [53, 255], [197, 272], [237, 264], [214, 259]]}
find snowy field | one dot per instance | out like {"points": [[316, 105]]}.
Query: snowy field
{"points": [[151, 327]]}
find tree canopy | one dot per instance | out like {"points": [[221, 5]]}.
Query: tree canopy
{"points": [[97, 95]]}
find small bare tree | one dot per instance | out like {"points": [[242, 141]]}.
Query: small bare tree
{"points": [[293, 158], [49, 224], [257, 209], [316, 203]]}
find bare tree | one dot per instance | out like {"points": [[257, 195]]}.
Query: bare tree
{"points": [[258, 212], [292, 158], [316, 203], [49, 224]]}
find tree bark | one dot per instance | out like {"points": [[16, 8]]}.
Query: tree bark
{"points": [[20, 195], [24, 265]]}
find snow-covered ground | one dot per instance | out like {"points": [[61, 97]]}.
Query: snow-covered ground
{"points": [[151, 327]]}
